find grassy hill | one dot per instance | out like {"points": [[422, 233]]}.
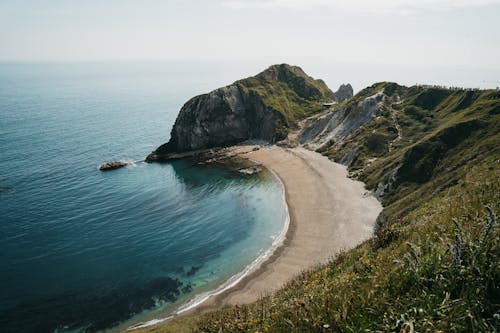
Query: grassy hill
{"points": [[290, 92], [432, 155]]}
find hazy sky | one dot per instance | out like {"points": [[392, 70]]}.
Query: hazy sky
{"points": [[378, 32]]}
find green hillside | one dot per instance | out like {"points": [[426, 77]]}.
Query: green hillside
{"points": [[442, 132], [290, 92]]}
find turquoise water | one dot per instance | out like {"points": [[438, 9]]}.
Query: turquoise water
{"points": [[86, 250]]}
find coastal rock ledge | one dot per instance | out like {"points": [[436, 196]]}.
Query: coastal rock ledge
{"points": [[262, 107]]}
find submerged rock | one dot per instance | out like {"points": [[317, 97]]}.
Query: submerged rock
{"points": [[250, 170], [193, 270], [112, 165], [336, 126]]}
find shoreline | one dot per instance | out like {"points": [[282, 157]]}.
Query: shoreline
{"points": [[192, 306], [305, 178]]}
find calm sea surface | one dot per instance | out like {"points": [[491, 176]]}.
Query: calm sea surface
{"points": [[82, 249]]}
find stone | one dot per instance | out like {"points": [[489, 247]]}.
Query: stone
{"points": [[112, 165], [250, 170], [345, 92]]}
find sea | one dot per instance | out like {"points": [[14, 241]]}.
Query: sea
{"points": [[85, 251]]}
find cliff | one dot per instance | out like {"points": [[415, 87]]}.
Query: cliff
{"points": [[262, 107]]}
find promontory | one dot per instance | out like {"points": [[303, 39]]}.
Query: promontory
{"points": [[263, 107]]}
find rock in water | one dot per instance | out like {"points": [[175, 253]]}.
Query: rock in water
{"points": [[112, 165], [263, 107], [250, 170]]}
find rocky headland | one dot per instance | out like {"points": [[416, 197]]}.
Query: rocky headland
{"points": [[263, 107]]}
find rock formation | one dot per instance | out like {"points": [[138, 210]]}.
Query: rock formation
{"points": [[112, 165], [263, 107], [345, 92]]}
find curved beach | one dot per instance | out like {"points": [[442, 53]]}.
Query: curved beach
{"points": [[329, 212]]}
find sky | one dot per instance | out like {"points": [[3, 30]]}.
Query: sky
{"points": [[432, 33]]}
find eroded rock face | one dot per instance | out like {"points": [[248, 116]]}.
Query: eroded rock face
{"points": [[222, 117], [225, 116], [336, 126]]}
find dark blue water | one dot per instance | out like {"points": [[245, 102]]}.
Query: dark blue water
{"points": [[82, 249]]}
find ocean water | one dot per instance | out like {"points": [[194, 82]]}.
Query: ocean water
{"points": [[87, 250]]}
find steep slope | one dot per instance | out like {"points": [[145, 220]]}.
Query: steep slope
{"points": [[262, 107], [404, 142]]}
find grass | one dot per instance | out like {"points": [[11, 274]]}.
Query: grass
{"points": [[442, 129], [289, 92]]}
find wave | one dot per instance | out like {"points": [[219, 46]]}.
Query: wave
{"points": [[233, 280]]}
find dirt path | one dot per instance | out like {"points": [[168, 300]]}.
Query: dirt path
{"points": [[394, 115]]}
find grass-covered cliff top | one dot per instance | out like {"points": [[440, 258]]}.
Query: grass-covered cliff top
{"points": [[289, 91]]}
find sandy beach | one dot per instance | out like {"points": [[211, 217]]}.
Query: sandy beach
{"points": [[328, 213]]}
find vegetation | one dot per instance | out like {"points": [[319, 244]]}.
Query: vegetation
{"points": [[442, 131], [290, 92], [433, 263]]}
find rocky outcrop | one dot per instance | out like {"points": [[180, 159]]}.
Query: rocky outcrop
{"points": [[112, 165], [349, 157], [345, 92], [263, 107], [222, 117]]}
